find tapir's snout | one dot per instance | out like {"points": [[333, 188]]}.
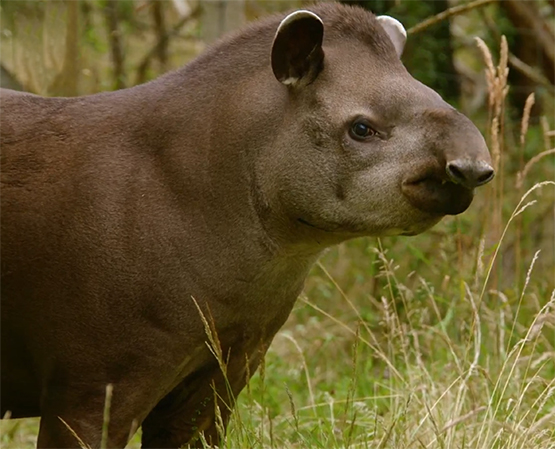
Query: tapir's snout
{"points": [[461, 162], [469, 173]]}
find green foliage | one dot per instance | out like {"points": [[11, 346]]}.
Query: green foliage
{"points": [[23, 7], [428, 56]]}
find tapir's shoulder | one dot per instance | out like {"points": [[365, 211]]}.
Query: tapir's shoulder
{"points": [[19, 106], [9, 98], [20, 112], [8, 93]]}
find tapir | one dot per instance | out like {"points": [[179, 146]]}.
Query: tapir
{"points": [[156, 238]]}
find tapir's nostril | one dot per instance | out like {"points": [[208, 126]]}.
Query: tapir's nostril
{"points": [[469, 173], [486, 177]]}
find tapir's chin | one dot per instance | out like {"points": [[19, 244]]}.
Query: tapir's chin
{"points": [[437, 196]]}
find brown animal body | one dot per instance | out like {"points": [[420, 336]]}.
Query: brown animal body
{"points": [[210, 191]]}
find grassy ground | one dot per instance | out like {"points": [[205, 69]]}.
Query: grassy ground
{"points": [[445, 340]]}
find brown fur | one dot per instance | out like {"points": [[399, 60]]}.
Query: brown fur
{"points": [[212, 190]]}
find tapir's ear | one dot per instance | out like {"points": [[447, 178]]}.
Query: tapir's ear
{"points": [[297, 54], [396, 32]]}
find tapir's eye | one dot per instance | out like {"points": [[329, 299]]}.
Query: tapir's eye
{"points": [[361, 130]]}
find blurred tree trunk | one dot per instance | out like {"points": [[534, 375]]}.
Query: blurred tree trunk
{"points": [[160, 29], [429, 57], [66, 82], [220, 17], [534, 44], [8, 79], [163, 41], [527, 19], [114, 38]]}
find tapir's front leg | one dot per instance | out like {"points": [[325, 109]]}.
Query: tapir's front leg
{"points": [[190, 408], [72, 413]]}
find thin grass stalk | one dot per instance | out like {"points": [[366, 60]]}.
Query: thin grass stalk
{"points": [[443, 332], [518, 225], [132, 429], [502, 351], [214, 346], [348, 301], [262, 376], [352, 386], [549, 393], [106, 416], [395, 325], [293, 409], [304, 365], [477, 334], [547, 134], [413, 437], [538, 405], [81, 443], [374, 347], [389, 324], [522, 174], [518, 210], [516, 351], [479, 272], [496, 78], [537, 324]]}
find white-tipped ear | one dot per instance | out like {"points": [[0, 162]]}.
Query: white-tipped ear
{"points": [[298, 15], [297, 53], [396, 32]]}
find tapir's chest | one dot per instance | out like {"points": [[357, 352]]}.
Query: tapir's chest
{"points": [[232, 342], [268, 296]]}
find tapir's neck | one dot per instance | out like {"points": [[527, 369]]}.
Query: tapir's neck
{"points": [[203, 142], [207, 128]]}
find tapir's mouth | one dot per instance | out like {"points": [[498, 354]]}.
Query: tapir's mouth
{"points": [[434, 194]]}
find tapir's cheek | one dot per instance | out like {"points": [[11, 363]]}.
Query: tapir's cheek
{"points": [[436, 198]]}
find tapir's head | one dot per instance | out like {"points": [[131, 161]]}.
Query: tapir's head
{"points": [[363, 148]]}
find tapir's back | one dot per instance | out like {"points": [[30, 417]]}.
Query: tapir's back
{"points": [[60, 156], [36, 170], [35, 150], [32, 184], [31, 168]]}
